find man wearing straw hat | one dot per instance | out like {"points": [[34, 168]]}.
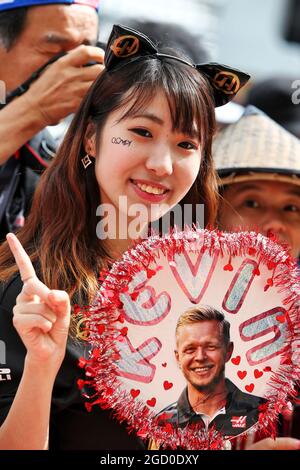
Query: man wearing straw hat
{"points": [[259, 167]]}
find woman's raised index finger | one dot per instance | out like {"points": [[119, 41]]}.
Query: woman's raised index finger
{"points": [[22, 259]]}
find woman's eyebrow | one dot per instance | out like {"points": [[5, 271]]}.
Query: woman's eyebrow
{"points": [[150, 116]]}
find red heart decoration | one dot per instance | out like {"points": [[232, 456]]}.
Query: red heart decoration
{"points": [[228, 267], [150, 273], [101, 329], [167, 385], [268, 369], [151, 402], [134, 393], [249, 388], [271, 265], [164, 364], [134, 296], [236, 360], [121, 318], [242, 374], [124, 331], [280, 318], [256, 272], [257, 373], [251, 251]]}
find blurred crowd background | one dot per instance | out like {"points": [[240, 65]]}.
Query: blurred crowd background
{"points": [[260, 37]]}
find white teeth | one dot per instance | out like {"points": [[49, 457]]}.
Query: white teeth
{"points": [[150, 189], [201, 369]]}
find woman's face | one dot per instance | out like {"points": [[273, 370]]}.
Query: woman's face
{"points": [[147, 163]]}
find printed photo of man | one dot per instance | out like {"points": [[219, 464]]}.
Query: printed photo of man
{"points": [[203, 347]]}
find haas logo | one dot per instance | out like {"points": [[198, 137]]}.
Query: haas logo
{"points": [[228, 82], [125, 46]]}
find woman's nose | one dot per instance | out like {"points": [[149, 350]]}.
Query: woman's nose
{"points": [[160, 162]]}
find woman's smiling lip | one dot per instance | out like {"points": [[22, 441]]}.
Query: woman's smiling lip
{"points": [[150, 197], [150, 183]]}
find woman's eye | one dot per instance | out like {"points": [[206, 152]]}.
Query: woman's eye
{"points": [[251, 203], [187, 146], [142, 132]]}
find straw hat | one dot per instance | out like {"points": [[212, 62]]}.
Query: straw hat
{"points": [[256, 147]]}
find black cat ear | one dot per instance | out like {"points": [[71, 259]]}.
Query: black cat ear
{"points": [[224, 80], [125, 44]]}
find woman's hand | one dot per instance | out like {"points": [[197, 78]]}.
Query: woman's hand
{"points": [[41, 315]]}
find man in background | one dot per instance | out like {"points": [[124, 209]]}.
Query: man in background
{"points": [[32, 33]]}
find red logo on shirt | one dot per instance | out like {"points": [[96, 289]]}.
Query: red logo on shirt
{"points": [[238, 421]]}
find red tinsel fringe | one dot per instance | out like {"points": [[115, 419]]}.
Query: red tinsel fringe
{"points": [[103, 333]]}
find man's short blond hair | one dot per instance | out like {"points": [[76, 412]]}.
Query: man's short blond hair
{"points": [[204, 313]]}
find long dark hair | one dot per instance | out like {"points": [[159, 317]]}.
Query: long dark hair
{"points": [[60, 232]]}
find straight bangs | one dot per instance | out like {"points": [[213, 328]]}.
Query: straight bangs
{"points": [[186, 91]]}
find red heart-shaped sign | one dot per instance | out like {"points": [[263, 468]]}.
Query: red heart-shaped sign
{"points": [[257, 373], [236, 360], [256, 271], [151, 402], [167, 385], [242, 374], [228, 267], [280, 318], [271, 265], [164, 364], [134, 393], [249, 388]]}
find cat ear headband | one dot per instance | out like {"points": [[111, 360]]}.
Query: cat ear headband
{"points": [[126, 45]]}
